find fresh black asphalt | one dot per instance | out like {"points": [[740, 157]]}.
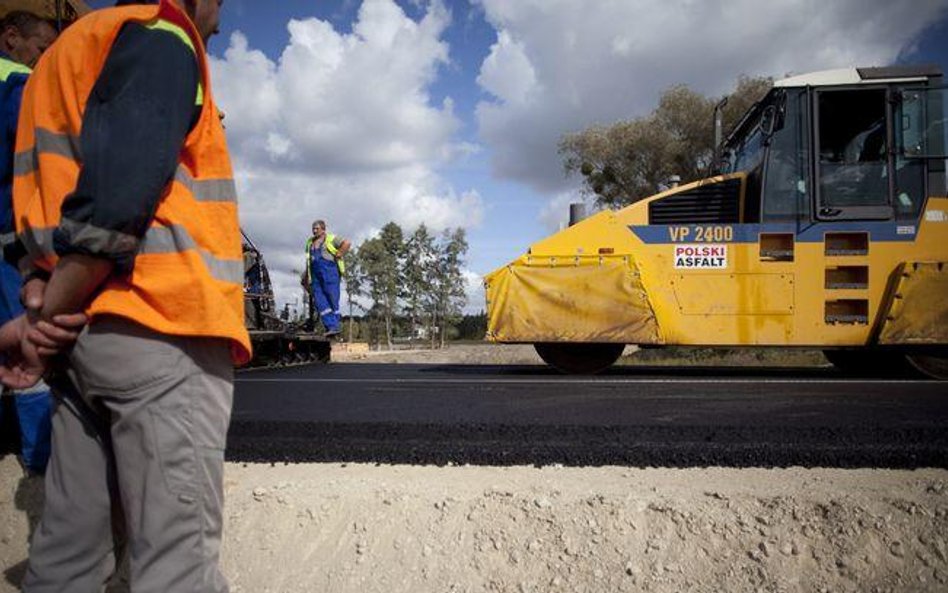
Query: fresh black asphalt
{"points": [[631, 416]]}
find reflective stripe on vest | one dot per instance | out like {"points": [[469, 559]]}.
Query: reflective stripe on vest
{"points": [[8, 67], [157, 239], [26, 162], [161, 25], [333, 251], [187, 278]]}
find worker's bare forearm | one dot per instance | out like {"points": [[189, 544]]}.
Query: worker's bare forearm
{"points": [[9, 334], [73, 283]]}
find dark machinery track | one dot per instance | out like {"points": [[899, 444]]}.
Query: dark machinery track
{"points": [[431, 414]]}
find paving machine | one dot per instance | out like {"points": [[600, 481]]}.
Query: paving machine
{"points": [[277, 340]]}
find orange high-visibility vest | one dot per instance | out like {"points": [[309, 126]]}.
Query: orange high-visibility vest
{"points": [[188, 274]]}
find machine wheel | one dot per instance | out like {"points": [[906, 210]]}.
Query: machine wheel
{"points": [[863, 361], [579, 358], [934, 365]]}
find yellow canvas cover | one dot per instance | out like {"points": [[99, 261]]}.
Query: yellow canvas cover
{"points": [[576, 299], [919, 306]]}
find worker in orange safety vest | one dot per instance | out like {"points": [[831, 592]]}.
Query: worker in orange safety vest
{"points": [[126, 210]]}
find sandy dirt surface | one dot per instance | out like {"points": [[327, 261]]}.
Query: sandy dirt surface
{"points": [[367, 528]]}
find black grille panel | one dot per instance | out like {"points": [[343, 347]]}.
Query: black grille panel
{"points": [[715, 202]]}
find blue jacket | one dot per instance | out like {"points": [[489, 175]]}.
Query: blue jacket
{"points": [[13, 77]]}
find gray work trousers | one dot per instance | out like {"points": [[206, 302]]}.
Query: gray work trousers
{"points": [[139, 428]]}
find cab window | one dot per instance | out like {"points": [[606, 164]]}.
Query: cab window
{"points": [[852, 165], [747, 155], [786, 176], [921, 133]]}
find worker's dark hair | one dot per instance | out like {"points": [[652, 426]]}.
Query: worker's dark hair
{"points": [[21, 20], [319, 223]]}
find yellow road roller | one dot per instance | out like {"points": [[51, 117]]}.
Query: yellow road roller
{"points": [[825, 226]]}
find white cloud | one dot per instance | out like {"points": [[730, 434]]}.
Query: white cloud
{"points": [[342, 127], [507, 72], [561, 65]]}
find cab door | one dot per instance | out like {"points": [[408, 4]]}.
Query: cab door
{"points": [[866, 201]]}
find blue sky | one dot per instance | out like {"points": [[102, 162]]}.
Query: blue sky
{"points": [[448, 112]]}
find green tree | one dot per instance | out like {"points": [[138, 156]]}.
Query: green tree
{"points": [[355, 289], [473, 327], [380, 260], [448, 297], [418, 268], [631, 160]]}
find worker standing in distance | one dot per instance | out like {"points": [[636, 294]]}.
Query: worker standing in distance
{"points": [[324, 270], [24, 37], [124, 199]]}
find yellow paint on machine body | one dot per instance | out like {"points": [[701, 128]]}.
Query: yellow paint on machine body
{"points": [[563, 289]]}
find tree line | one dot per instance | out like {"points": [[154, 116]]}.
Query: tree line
{"points": [[469, 327], [396, 277]]}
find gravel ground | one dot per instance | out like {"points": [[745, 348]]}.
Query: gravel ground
{"points": [[393, 528], [365, 528]]}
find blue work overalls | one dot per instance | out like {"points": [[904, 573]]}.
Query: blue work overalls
{"points": [[325, 279]]}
